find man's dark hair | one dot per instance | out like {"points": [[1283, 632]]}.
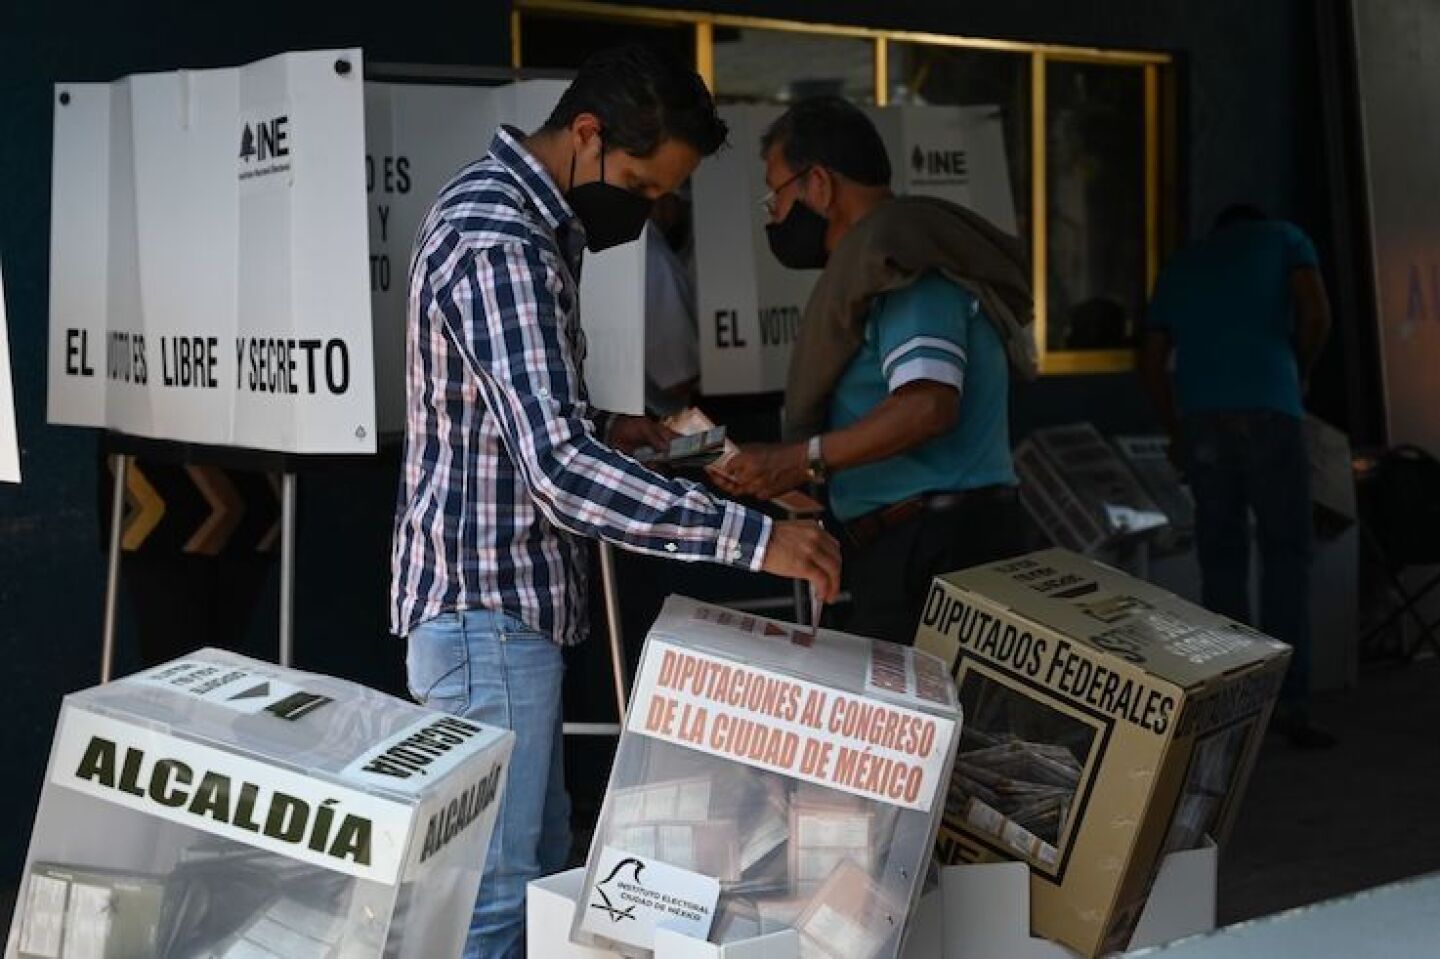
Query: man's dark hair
{"points": [[643, 97], [831, 132], [1239, 213]]}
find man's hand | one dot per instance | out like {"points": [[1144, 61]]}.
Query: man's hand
{"points": [[801, 549], [629, 433], [764, 470]]}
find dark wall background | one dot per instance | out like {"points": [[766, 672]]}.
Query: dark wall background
{"points": [[1247, 75]]}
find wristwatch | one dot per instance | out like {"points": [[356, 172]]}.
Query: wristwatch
{"points": [[815, 464]]}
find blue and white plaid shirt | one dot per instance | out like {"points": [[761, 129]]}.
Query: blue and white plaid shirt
{"points": [[503, 474]]}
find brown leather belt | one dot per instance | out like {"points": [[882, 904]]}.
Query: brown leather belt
{"points": [[866, 529]]}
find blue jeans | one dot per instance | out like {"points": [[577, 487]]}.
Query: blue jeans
{"points": [[494, 669], [1255, 462]]}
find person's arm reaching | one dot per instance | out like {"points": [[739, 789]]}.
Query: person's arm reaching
{"points": [[500, 307], [913, 415], [1312, 318], [921, 337]]}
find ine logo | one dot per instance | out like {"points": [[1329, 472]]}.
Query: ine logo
{"points": [[939, 166], [606, 905], [264, 140]]}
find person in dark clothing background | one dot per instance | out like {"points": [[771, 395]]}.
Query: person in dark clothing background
{"points": [[1245, 315]]}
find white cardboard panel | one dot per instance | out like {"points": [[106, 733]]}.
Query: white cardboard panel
{"points": [[987, 908], [9, 445], [1398, 921], [203, 222], [749, 306], [418, 136]]}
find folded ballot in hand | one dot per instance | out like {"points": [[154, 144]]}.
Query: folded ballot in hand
{"points": [[693, 451]]}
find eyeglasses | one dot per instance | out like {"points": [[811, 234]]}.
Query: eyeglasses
{"points": [[768, 201]]}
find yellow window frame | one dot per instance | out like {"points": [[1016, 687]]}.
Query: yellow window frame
{"points": [[1160, 180]]}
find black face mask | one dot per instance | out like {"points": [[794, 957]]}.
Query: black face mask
{"points": [[798, 241], [611, 215]]}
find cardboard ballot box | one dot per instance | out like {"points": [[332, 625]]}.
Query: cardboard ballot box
{"points": [[1107, 723], [769, 779], [1079, 491], [222, 807]]}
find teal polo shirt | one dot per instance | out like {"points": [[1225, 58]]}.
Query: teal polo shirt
{"points": [[1227, 306], [935, 330]]}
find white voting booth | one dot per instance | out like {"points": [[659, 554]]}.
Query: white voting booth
{"points": [[218, 807], [207, 269], [213, 279], [955, 153], [417, 137], [749, 306], [226, 210], [208, 260]]}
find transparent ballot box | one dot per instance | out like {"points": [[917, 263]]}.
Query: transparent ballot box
{"points": [[218, 807], [770, 778]]}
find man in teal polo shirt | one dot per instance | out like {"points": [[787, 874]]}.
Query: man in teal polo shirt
{"points": [[1244, 314], [899, 389], [931, 332]]}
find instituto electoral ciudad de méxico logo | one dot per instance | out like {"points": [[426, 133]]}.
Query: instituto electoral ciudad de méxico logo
{"points": [[608, 907]]}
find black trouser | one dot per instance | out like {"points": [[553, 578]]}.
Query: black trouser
{"points": [[1255, 462], [889, 578]]}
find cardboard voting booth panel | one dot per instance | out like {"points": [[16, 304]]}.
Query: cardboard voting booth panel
{"points": [[218, 806], [1079, 491], [417, 138], [1107, 723], [769, 779], [213, 279], [9, 445], [748, 305], [208, 256]]}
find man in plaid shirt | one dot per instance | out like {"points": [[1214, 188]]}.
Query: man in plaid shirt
{"points": [[508, 467]]}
